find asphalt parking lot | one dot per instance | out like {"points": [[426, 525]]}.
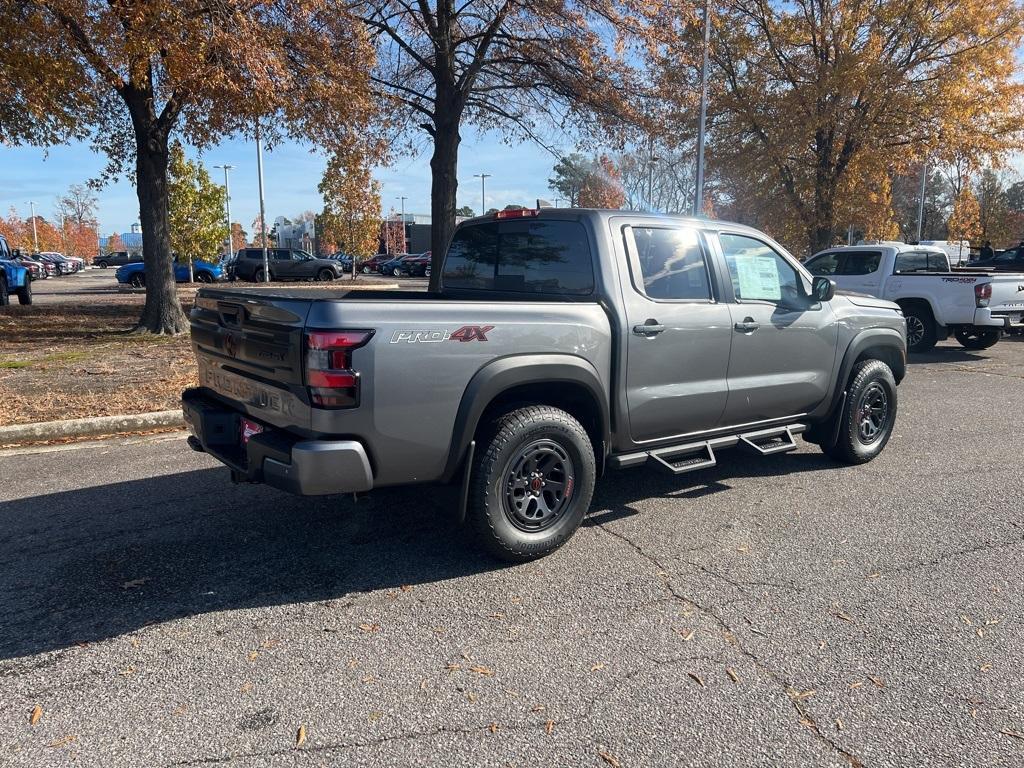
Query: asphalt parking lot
{"points": [[783, 611]]}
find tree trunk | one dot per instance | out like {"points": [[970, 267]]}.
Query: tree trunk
{"points": [[444, 185], [822, 230], [162, 313]]}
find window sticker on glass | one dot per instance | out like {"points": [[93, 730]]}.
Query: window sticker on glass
{"points": [[758, 277]]}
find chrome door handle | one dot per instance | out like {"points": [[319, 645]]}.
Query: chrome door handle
{"points": [[649, 328], [747, 326]]}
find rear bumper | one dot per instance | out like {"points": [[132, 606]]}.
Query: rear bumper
{"points": [[983, 318], [275, 457]]}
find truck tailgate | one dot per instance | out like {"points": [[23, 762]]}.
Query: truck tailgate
{"points": [[249, 353]]}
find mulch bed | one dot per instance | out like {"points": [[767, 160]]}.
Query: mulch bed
{"points": [[68, 361]]}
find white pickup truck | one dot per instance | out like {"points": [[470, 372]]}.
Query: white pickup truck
{"points": [[974, 306]]}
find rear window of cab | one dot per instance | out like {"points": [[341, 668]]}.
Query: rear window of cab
{"points": [[521, 256]]}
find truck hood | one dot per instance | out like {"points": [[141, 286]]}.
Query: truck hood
{"points": [[864, 300]]}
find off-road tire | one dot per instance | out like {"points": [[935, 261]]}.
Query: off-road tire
{"points": [[977, 339], [5, 298], [921, 330], [500, 444], [867, 378], [25, 294]]}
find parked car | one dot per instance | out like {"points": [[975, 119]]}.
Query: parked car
{"points": [[563, 343], [116, 259], [285, 264], [1010, 260], [77, 264], [63, 266], [14, 278], [49, 268], [372, 264], [35, 267], [415, 266], [396, 266], [134, 274], [973, 306]]}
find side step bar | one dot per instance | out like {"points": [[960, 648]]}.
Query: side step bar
{"points": [[690, 457]]}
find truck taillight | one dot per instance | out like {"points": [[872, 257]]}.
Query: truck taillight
{"points": [[982, 294], [329, 374]]}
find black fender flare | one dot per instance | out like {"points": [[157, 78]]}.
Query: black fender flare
{"points": [[888, 338], [503, 374]]}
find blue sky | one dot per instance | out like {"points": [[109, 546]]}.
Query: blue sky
{"points": [[290, 172]]}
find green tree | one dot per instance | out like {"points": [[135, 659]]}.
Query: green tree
{"points": [[570, 174], [351, 216], [464, 211], [195, 209]]}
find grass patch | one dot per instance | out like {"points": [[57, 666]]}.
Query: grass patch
{"points": [[14, 364]]}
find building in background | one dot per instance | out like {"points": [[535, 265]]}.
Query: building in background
{"points": [[297, 234]]}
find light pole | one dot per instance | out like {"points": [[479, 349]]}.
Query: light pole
{"points": [[35, 236], [698, 191], [263, 214], [404, 238], [483, 190], [227, 206], [920, 200], [558, 200]]}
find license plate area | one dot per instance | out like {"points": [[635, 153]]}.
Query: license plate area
{"points": [[247, 428]]}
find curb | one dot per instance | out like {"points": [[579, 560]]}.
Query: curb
{"points": [[98, 425]]}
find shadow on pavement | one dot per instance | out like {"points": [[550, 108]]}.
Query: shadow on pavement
{"points": [[90, 564]]}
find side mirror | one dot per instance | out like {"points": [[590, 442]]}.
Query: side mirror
{"points": [[16, 253], [823, 289]]}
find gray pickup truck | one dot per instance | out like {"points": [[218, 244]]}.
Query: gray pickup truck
{"points": [[563, 343]]}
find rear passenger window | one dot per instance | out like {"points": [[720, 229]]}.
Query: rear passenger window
{"points": [[671, 264], [523, 256], [919, 261]]}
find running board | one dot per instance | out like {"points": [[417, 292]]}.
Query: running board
{"points": [[701, 454], [692, 457], [769, 441]]}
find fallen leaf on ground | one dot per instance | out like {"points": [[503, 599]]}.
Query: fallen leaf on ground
{"points": [[406, 587], [253, 655], [493, 727], [37, 712], [481, 670], [986, 667], [856, 684], [597, 667], [1014, 734], [879, 683], [180, 710], [687, 635], [246, 687], [370, 627], [732, 674], [62, 742], [453, 667], [472, 697], [696, 679], [840, 614], [375, 716], [300, 737], [609, 758], [537, 708], [549, 726], [839, 724], [135, 583]]}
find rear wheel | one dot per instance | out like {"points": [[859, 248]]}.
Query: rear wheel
{"points": [[102, 265], [976, 338], [367, 270], [25, 293], [531, 483], [921, 334], [396, 272], [868, 414], [260, 274]]}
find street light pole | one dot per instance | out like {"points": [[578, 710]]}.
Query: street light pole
{"points": [[227, 205], [35, 236], [263, 213], [483, 190], [920, 200], [698, 191], [405, 240]]}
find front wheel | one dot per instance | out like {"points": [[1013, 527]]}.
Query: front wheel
{"points": [[325, 275], [396, 272], [367, 270], [25, 294], [921, 331], [138, 281], [4, 297], [531, 483], [260, 274], [976, 338], [204, 277], [868, 414]]}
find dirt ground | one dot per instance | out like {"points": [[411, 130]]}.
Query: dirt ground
{"points": [[72, 361]]}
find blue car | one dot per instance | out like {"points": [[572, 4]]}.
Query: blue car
{"points": [[14, 278], [134, 274]]}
